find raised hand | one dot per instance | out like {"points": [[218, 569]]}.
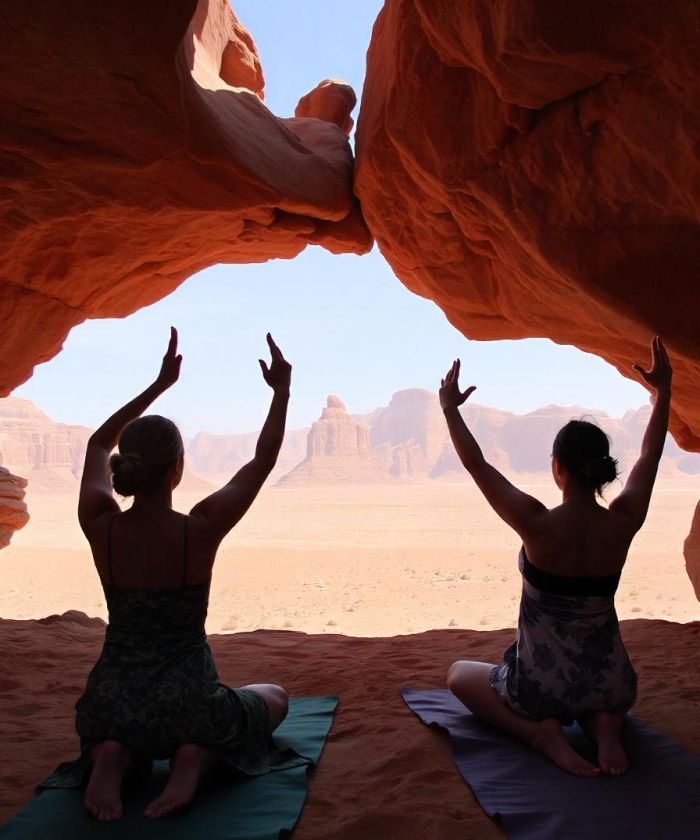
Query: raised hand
{"points": [[170, 368], [450, 395], [279, 373], [659, 376]]}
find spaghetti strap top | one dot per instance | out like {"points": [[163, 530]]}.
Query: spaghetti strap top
{"points": [[109, 552]]}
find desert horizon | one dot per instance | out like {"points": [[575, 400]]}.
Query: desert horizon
{"points": [[375, 530], [359, 560]]}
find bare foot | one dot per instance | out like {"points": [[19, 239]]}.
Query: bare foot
{"points": [[190, 762], [551, 742], [103, 795], [605, 729]]}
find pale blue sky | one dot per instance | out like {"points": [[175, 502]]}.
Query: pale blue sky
{"points": [[346, 323]]}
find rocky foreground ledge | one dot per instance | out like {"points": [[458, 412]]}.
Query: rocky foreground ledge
{"points": [[382, 774]]}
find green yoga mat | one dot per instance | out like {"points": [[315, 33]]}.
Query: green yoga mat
{"points": [[260, 808]]}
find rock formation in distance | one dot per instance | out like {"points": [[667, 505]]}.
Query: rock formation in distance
{"points": [[338, 451]]}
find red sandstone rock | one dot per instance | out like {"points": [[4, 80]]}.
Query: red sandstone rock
{"points": [[136, 150], [691, 551], [13, 511], [532, 166], [331, 101]]}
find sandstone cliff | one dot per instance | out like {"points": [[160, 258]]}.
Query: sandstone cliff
{"points": [[532, 167], [50, 455], [137, 150]]}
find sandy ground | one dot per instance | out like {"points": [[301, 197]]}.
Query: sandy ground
{"points": [[362, 561], [383, 775], [378, 561]]}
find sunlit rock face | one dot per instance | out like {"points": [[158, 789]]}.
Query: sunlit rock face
{"points": [[136, 150], [13, 511], [532, 167], [337, 451]]}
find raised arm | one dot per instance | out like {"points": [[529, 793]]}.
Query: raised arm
{"points": [[517, 509], [96, 496], [223, 509], [633, 501]]}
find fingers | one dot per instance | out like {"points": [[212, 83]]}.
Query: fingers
{"points": [[275, 352], [265, 369], [172, 344], [643, 373]]}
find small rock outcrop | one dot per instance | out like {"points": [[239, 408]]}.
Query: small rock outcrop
{"points": [[13, 511]]}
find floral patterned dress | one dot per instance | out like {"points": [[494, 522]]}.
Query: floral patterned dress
{"points": [[568, 659], [155, 687]]}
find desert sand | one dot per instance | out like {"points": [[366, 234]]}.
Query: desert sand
{"points": [[383, 775], [367, 572], [363, 561]]}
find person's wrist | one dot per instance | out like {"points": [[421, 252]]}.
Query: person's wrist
{"points": [[282, 392]]}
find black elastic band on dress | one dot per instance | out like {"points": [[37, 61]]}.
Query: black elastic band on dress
{"points": [[109, 548], [605, 585], [184, 571]]}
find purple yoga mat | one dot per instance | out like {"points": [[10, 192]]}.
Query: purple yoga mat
{"points": [[657, 799]]}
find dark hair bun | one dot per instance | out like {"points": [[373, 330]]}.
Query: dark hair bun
{"points": [[603, 471], [128, 473], [584, 449]]}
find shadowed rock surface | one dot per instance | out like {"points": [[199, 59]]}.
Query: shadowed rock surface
{"points": [[137, 150], [691, 551], [533, 168]]}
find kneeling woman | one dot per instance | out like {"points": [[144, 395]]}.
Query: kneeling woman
{"points": [[155, 691], [568, 661]]}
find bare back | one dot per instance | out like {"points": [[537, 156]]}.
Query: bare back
{"points": [[578, 539], [152, 550]]}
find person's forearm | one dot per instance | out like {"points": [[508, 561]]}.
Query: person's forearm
{"points": [[108, 433], [655, 435], [465, 444], [272, 432]]}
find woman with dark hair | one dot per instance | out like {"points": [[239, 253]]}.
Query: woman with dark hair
{"points": [[155, 691], [568, 661]]}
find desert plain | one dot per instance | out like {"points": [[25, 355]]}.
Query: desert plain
{"points": [[378, 560]]}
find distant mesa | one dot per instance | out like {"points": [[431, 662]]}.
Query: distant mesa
{"points": [[406, 440], [338, 451], [48, 454]]}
